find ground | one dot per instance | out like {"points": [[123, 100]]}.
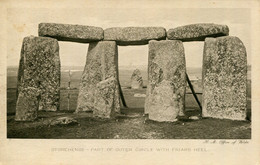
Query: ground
{"points": [[132, 124]]}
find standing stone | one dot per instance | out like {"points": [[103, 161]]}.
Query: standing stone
{"points": [[104, 98], [27, 104], [197, 32], [224, 77], [40, 68], [136, 80], [73, 33], [101, 64], [167, 81]]}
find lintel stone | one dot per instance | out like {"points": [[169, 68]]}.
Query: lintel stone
{"points": [[73, 33], [134, 35], [197, 32]]}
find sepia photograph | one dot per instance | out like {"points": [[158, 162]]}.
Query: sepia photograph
{"points": [[166, 78]]}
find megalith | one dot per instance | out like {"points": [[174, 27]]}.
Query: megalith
{"points": [[101, 64], [104, 98], [166, 80], [69, 32], [136, 80], [134, 35], [197, 32], [224, 78], [27, 104], [40, 68]]}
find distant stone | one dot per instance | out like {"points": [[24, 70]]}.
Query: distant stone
{"points": [[139, 95], [166, 80], [194, 117], [116, 137], [27, 104], [68, 32], [134, 35], [136, 80], [197, 32], [40, 68], [101, 64], [104, 99], [224, 80], [64, 121]]}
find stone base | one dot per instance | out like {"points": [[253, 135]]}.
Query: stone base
{"points": [[104, 99], [136, 85], [27, 104], [163, 103]]}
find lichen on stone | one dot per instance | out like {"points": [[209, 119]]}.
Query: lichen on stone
{"points": [[166, 71], [197, 32], [27, 104], [101, 64], [69, 32], [224, 78], [39, 67]]}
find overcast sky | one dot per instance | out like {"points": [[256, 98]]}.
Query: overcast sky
{"points": [[23, 22]]}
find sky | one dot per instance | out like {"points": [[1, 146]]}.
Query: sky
{"points": [[23, 21]]}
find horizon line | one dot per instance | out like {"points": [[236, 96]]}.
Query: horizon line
{"points": [[8, 66]]}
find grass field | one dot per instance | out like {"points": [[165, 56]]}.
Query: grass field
{"points": [[132, 124]]}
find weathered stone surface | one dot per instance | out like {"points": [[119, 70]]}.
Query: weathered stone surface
{"points": [[147, 98], [134, 35], [101, 64], [64, 121], [104, 98], [68, 32], [136, 80], [166, 80], [27, 104], [40, 68], [164, 103], [224, 78], [197, 32]]}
